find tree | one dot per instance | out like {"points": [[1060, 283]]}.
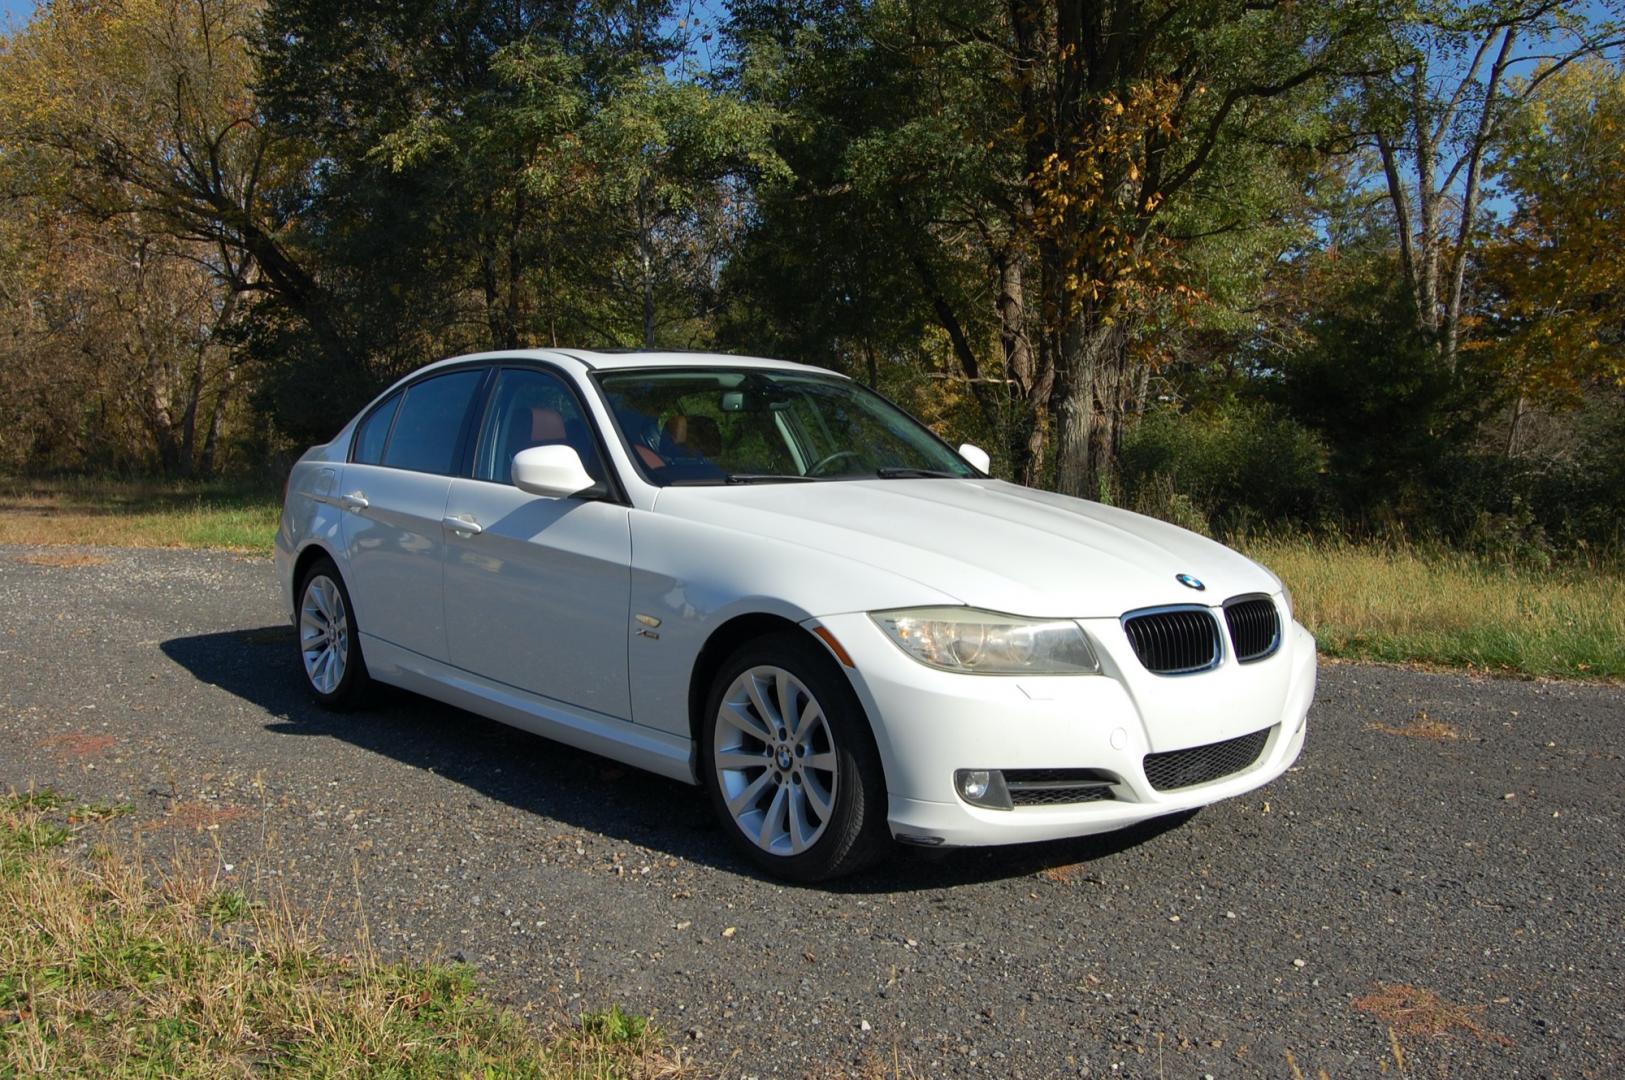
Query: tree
{"points": [[494, 175], [1436, 109], [1035, 160], [129, 136], [1557, 267]]}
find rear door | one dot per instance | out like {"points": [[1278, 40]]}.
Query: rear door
{"points": [[537, 589], [394, 491]]}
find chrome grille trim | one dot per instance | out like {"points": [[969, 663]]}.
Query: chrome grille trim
{"points": [[1178, 640], [1255, 627]]}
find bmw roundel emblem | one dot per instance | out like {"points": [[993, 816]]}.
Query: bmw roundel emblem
{"points": [[1190, 582]]}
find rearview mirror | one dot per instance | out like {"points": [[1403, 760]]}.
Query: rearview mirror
{"points": [[555, 471], [976, 456]]}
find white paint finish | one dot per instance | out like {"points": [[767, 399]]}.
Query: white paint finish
{"points": [[552, 471], [537, 599], [988, 543], [695, 576], [937, 721], [596, 733], [393, 554], [529, 620]]}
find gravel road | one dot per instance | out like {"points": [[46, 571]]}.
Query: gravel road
{"points": [[1461, 893]]}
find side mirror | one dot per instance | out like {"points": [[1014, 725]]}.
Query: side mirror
{"points": [[976, 456], [555, 471]]}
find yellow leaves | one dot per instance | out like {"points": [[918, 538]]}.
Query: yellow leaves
{"points": [[1557, 264], [1089, 203]]}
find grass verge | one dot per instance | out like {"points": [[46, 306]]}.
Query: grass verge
{"points": [[109, 970], [1409, 605], [138, 513]]}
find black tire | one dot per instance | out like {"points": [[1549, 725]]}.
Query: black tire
{"points": [[854, 832], [351, 688]]}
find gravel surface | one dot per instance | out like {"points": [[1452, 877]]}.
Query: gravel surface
{"points": [[1458, 895]]}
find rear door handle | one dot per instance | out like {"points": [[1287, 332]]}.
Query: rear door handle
{"points": [[357, 501], [462, 525]]}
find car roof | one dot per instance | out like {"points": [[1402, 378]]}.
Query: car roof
{"points": [[621, 360]]}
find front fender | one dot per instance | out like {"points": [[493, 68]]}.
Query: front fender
{"points": [[695, 577]]}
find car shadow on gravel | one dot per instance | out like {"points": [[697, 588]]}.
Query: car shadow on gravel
{"points": [[546, 779]]}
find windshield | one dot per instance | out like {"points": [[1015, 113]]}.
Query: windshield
{"points": [[722, 426]]}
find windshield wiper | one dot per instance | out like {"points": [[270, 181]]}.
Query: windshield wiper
{"points": [[904, 472], [768, 478]]}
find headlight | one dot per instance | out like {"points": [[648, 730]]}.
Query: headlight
{"points": [[988, 643]]}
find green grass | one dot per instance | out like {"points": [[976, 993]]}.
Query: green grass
{"points": [[107, 970], [1402, 604], [126, 513]]}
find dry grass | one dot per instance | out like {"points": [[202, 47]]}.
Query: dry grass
{"points": [[1407, 605], [1410, 1010], [117, 513], [1422, 727], [110, 968]]}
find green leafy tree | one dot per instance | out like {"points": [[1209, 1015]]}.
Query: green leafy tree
{"points": [[1038, 166], [1446, 88]]}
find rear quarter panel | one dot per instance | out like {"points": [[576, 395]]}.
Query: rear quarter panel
{"points": [[309, 514]]}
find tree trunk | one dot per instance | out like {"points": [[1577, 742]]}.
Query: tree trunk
{"points": [[211, 441], [646, 255], [1026, 442], [1089, 406]]}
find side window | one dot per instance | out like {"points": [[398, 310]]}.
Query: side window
{"points": [[430, 422], [531, 408], [370, 436]]}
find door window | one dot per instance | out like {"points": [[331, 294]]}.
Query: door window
{"points": [[430, 425], [532, 408], [369, 438]]}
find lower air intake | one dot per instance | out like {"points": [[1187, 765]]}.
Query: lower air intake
{"points": [[1058, 787], [1202, 764]]}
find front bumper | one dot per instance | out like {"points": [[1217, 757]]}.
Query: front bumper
{"points": [[928, 723]]}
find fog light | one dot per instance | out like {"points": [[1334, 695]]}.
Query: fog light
{"points": [[983, 787]]}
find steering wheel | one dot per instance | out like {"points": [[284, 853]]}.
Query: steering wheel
{"points": [[818, 466]]}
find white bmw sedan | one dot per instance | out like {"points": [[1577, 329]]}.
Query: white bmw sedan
{"points": [[766, 579]]}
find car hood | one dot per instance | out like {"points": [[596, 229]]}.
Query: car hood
{"points": [[989, 543]]}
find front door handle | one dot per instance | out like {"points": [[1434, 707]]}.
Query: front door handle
{"points": [[462, 525], [354, 501]]}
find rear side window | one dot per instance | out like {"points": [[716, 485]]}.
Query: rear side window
{"points": [[369, 438], [430, 423]]}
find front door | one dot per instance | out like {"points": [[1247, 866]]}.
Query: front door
{"points": [[537, 598]]}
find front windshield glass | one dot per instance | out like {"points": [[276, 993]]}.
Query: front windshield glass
{"points": [[724, 425]]}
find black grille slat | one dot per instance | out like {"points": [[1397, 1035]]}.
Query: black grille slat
{"points": [[1255, 628], [1174, 642], [1202, 764], [1057, 787]]}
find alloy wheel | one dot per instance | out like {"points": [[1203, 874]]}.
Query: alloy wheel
{"points": [[775, 761], [324, 634]]}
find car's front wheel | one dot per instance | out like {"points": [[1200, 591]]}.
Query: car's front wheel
{"points": [[329, 650], [790, 763]]}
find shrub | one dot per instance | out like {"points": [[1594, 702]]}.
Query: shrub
{"points": [[1224, 469]]}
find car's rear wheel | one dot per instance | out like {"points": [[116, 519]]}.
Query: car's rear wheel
{"points": [[329, 649], [790, 763]]}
